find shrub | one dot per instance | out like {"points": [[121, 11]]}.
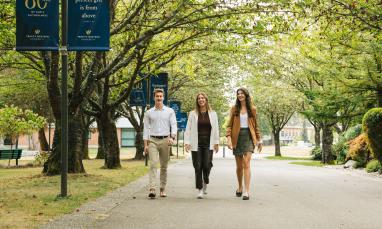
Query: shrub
{"points": [[317, 153], [342, 147], [372, 127], [373, 166], [353, 132], [41, 158], [359, 151]]}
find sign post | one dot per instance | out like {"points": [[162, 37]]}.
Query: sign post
{"points": [[64, 100], [182, 124], [176, 105]]}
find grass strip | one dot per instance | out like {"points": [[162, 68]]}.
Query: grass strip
{"points": [[29, 199], [286, 158], [308, 163]]}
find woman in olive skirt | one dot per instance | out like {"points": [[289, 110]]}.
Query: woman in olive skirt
{"points": [[242, 136]]}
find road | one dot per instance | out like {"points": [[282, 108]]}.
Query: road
{"points": [[282, 196]]}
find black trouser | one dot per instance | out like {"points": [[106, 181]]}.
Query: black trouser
{"points": [[202, 161]]}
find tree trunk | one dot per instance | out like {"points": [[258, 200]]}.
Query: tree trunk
{"points": [[276, 136], [53, 164], [317, 136], [139, 146], [327, 142], [100, 151], [85, 144], [85, 135], [379, 97], [304, 132], [44, 146], [110, 140]]}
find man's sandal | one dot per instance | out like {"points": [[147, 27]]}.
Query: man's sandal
{"points": [[162, 193]]}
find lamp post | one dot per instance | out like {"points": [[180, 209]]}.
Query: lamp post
{"points": [[64, 99]]}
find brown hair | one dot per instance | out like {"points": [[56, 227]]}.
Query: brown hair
{"points": [[248, 102], [197, 107], [158, 90]]}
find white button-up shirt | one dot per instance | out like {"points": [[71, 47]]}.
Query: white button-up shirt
{"points": [[159, 122]]}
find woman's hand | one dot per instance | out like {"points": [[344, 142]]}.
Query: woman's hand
{"points": [[187, 147], [259, 147], [229, 143], [216, 148]]}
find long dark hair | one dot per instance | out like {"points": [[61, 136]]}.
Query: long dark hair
{"points": [[248, 102]]}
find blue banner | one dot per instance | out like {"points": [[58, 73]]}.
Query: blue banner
{"points": [[182, 123], [159, 81], [88, 25], [176, 106], [139, 96], [37, 25]]}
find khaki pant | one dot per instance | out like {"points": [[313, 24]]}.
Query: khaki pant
{"points": [[158, 152]]}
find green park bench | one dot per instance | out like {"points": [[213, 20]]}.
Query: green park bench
{"points": [[10, 154]]}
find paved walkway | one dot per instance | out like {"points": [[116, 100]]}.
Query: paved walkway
{"points": [[282, 196]]}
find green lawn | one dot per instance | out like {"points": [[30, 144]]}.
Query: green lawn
{"points": [[308, 163], [286, 158], [28, 199]]}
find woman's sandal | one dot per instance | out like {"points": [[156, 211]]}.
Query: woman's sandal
{"points": [[238, 194], [246, 196], [152, 193]]}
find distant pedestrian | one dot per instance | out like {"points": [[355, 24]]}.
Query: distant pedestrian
{"points": [[242, 136], [159, 133], [202, 138]]}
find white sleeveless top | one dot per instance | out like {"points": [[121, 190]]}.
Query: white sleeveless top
{"points": [[244, 120]]}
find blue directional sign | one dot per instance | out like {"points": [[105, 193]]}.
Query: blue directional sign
{"points": [[176, 105], [139, 96], [88, 25], [182, 123], [159, 81], [37, 25]]}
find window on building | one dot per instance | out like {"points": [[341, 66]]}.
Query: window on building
{"points": [[128, 137]]}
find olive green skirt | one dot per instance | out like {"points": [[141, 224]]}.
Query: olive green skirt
{"points": [[244, 143]]}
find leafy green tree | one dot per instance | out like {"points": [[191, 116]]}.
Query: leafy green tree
{"points": [[277, 104], [26, 91], [145, 36], [15, 122]]}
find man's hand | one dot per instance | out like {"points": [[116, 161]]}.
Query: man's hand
{"points": [[259, 147], [146, 150], [187, 147], [216, 148], [170, 141]]}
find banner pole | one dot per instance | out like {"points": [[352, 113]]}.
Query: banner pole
{"points": [[64, 100]]}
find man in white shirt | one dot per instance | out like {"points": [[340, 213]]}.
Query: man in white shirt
{"points": [[159, 133]]}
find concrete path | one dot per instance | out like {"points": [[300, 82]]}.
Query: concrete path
{"points": [[282, 196]]}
